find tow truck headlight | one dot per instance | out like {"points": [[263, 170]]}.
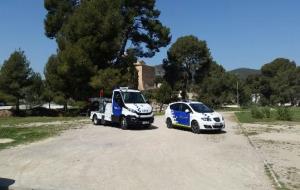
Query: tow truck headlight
{"points": [[206, 118], [132, 110]]}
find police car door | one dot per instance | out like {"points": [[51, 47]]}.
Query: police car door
{"points": [[179, 115], [184, 118]]}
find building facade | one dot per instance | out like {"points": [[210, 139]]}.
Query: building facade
{"points": [[146, 75]]}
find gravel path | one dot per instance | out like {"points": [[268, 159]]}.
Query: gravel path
{"points": [[97, 157]]}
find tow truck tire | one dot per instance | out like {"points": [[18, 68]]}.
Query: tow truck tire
{"points": [[95, 120], [195, 127], [169, 123], [103, 122], [147, 126], [123, 123]]}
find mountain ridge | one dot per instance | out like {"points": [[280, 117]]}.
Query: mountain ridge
{"points": [[244, 72]]}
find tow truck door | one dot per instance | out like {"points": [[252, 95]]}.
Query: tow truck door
{"points": [[116, 106]]}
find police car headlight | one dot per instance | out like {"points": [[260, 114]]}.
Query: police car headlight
{"points": [[206, 118]]}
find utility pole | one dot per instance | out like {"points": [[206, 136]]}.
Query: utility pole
{"points": [[237, 93]]}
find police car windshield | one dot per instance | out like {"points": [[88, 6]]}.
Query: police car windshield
{"points": [[133, 98], [201, 108]]}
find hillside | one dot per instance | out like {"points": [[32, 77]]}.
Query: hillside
{"points": [[243, 73]]}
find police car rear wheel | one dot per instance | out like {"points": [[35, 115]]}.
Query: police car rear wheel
{"points": [[169, 123], [124, 123], [195, 127]]}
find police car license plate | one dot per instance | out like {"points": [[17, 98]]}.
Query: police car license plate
{"points": [[145, 122], [218, 124]]}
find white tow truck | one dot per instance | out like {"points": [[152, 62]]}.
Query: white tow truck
{"points": [[127, 107]]}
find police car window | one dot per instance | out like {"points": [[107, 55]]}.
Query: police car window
{"points": [[201, 108], [174, 107], [184, 107]]}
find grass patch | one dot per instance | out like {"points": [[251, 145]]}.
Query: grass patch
{"points": [[22, 135], [246, 116], [11, 128], [159, 113], [223, 109], [13, 121], [251, 133]]}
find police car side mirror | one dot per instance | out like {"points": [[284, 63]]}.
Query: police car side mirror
{"points": [[187, 111], [148, 102]]}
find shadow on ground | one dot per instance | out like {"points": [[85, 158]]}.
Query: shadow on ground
{"points": [[202, 131], [5, 183], [133, 128]]}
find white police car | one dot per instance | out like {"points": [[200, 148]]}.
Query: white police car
{"points": [[195, 115]]}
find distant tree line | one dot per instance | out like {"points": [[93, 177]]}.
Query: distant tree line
{"points": [[278, 83], [19, 82], [190, 68]]}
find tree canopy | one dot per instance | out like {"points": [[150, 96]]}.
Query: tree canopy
{"points": [[187, 61], [15, 77], [279, 82], [93, 35]]}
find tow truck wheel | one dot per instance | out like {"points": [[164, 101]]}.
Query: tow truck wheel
{"points": [[103, 122], [169, 123], [195, 127], [124, 124], [95, 120], [147, 126]]}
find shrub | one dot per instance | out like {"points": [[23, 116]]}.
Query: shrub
{"points": [[256, 113], [284, 114], [266, 112]]}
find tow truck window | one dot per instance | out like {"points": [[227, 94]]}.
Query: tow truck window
{"points": [[133, 98], [118, 98]]}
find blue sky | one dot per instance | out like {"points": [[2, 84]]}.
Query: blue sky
{"points": [[239, 33]]}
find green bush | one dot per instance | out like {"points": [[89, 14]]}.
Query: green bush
{"points": [[256, 113], [284, 114], [266, 112]]}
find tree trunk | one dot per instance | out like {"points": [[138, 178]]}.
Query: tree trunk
{"points": [[124, 43], [49, 105], [66, 106], [18, 105], [160, 107]]}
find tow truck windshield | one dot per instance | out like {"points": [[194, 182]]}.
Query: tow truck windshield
{"points": [[133, 98]]}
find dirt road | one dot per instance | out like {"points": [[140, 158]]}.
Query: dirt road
{"points": [[97, 157]]}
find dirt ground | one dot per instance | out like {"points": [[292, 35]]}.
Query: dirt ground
{"points": [[280, 146], [98, 157]]}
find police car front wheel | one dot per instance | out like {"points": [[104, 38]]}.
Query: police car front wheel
{"points": [[195, 127]]}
